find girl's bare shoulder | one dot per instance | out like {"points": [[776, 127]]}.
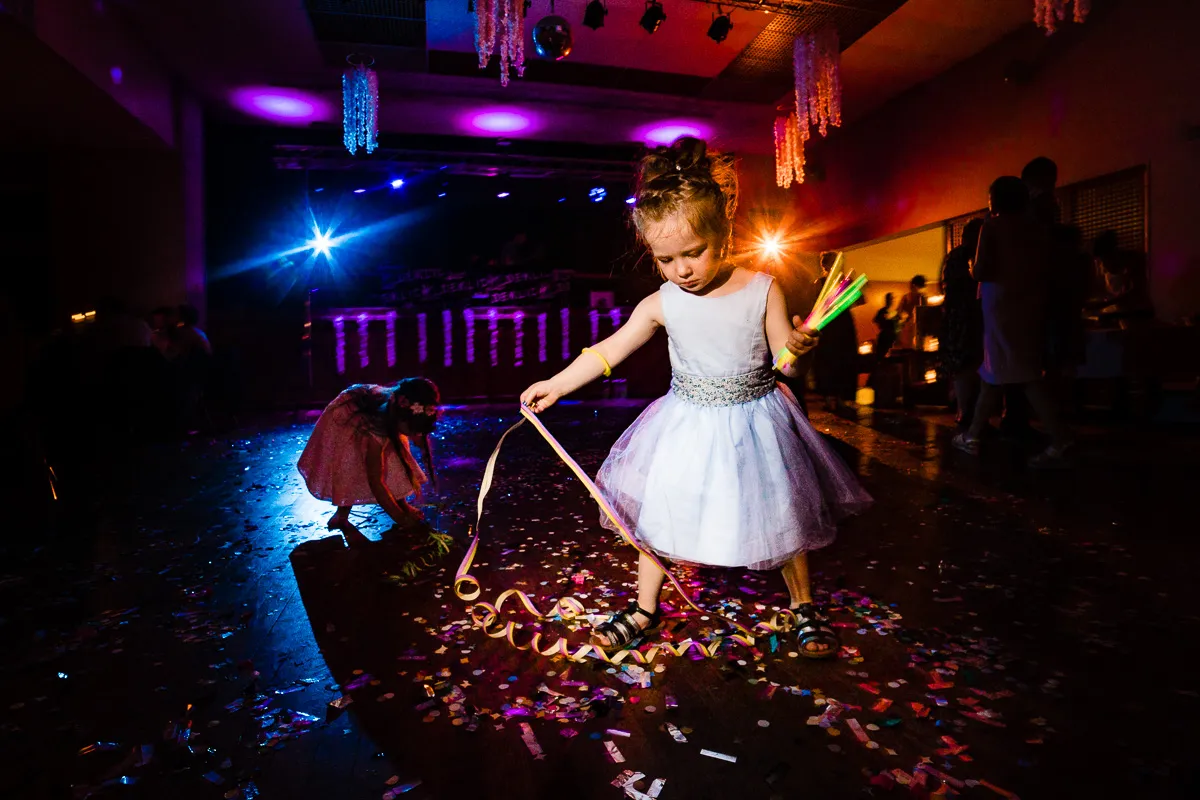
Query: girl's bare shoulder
{"points": [[651, 306]]}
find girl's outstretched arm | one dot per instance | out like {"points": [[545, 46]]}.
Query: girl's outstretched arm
{"points": [[645, 320], [399, 510], [781, 333]]}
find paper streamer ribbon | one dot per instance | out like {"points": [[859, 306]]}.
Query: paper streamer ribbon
{"points": [[487, 615]]}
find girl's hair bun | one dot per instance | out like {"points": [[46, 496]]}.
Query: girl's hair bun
{"points": [[688, 156], [686, 176]]}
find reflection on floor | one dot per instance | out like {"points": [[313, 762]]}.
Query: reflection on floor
{"points": [[1005, 632]]}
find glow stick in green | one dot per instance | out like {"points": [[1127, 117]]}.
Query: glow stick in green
{"points": [[845, 302], [786, 357], [831, 280], [831, 299], [832, 303], [852, 294]]}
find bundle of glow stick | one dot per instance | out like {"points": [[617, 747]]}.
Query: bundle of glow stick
{"points": [[841, 290]]}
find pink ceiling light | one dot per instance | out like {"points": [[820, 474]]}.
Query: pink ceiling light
{"points": [[280, 104], [667, 131], [498, 120]]}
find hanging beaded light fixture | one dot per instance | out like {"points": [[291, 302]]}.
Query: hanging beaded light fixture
{"points": [[360, 105], [503, 21], [789, 150], [817, 66], [1048, 13], [817, 62]]}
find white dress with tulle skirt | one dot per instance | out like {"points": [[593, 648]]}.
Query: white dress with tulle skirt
{"points": [[725, 470]]}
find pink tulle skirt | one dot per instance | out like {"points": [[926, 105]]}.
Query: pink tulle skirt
{"points": [[334, 462], [747, 485]]}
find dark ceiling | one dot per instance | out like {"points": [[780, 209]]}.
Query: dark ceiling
{"points": [[761, 73]]}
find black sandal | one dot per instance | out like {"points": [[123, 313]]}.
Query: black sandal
{"points": [[814, 627], [622, 631]]}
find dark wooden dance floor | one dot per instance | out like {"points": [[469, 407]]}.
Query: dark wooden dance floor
{"points": [[1006, 632]]}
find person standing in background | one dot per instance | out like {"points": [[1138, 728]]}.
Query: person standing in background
{"points": [[885, 320], [163, 331], [1010, 267], [1040, 176], [192, 340], [961, 342], [1068, 288], [193, 364], [1124, 294], [909, 303]]}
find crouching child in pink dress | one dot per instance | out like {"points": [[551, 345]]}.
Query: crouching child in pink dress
{"points": [[359, 453]]}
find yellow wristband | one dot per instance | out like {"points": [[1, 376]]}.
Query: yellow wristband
{"points": [[603, 360]]}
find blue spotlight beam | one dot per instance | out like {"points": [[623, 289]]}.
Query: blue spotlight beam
{"points": [[320, 243]]}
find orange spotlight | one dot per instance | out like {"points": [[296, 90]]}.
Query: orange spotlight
{"points": [[771, 246], [769, 240]]}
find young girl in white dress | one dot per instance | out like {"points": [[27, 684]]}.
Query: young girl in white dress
{"points": [[725, 470]]}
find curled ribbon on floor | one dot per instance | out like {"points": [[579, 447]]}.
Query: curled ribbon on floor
{"points": [[488, 617]]}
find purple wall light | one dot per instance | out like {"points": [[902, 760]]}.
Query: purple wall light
{"points": [[498, 120], [667, 131], [280, 104]]}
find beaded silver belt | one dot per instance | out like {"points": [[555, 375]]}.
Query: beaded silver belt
{"points": [[730, 390]]}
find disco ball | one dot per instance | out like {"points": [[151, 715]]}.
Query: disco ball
{"points": [[552, 38]]}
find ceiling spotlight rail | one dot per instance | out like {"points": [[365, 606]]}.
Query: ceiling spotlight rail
{"points": [[514, 165], [790, 8]]}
